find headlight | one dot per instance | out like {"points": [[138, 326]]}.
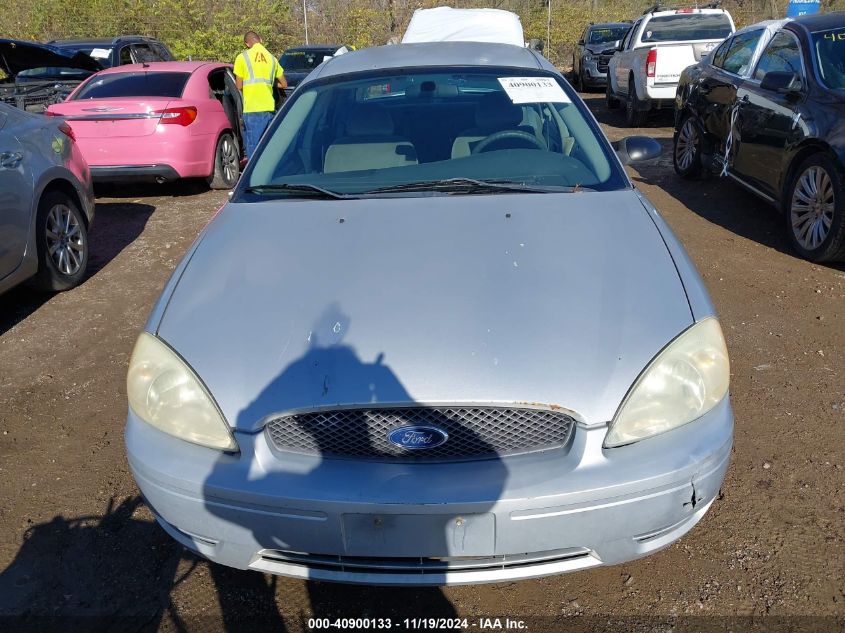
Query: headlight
{"points": [[588, 58], [683, 382], [164, 392]]}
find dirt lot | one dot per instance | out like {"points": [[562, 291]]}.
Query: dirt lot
{"points": [[76, 541]]}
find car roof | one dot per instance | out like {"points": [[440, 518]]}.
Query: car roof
{"points": [[762, 25], [821, 21], [314, 47], [684, 11], [102, 41], [599, 25], [432, 54], [174, 67]]}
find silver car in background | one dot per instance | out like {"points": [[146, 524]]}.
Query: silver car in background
{"points": [[46, 202], [436, 337]]}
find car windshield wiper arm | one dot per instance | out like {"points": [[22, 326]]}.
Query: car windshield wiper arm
{"points": [[283, 187], [464, 185]]}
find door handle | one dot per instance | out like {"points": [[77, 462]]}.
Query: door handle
{"points": [[10, 160]]}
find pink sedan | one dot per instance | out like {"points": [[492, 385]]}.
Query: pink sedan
{"points": [[158, 121]]}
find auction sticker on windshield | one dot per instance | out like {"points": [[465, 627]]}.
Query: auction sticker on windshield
{"points": [[533, 90]]}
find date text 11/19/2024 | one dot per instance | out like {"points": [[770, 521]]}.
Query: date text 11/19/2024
{"points": [[414, 624]]}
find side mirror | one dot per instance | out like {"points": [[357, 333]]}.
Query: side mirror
{"points": [[637, 149], [619, 46], [781, 81], [580, 42]]}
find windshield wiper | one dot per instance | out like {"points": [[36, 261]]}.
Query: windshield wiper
{"points": [[472, 185], [283, 187]]}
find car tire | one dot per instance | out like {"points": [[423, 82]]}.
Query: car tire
{"points": [[61, 238], [814, 209], [227, 159], [611, 102], [634, 117], [687, 148]]}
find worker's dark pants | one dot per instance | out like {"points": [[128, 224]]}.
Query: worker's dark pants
{"points": [[254, 125]]}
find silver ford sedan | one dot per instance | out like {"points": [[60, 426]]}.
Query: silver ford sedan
{"points": [[435, 337]]}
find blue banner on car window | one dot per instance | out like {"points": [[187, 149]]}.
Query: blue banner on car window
{"points": [[802, 7]]}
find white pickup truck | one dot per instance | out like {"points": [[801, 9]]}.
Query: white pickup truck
{"points": [[644, 71]]}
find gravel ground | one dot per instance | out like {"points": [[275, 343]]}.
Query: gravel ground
{"points": [[79, 550]]}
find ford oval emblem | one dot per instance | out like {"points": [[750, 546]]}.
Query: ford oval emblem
{"points": [[417, 437]]}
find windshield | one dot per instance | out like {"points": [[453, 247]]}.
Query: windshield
{"points": [[830, 54], [607, 35], [294, 61], [133, 84], [354, 136], [683, 27], [52, 72]]}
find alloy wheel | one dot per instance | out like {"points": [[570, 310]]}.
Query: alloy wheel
{"points": [[812, 207], [229, 159], [687, 145], [65, 240]]}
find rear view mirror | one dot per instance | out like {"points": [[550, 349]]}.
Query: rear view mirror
{"points": [[781, 81], [637, 149]]}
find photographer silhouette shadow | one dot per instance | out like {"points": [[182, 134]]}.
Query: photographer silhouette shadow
{"points": [[330, 373]]}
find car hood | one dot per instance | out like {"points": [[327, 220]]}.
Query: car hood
{"points": [[600, 49], [551, 299], [17, 55]]}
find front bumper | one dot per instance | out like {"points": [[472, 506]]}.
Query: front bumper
{"points": [[432, 524], [594, 73]]}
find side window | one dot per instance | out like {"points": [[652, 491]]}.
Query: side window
{"points": [[125, 56], [162, 54], [741, 52], [782, 54], [626, 44], [719, 54], [144, 53]]}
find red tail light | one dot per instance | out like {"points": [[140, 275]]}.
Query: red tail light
{"points": [[651, 63], [65, 129], [177, 116]]}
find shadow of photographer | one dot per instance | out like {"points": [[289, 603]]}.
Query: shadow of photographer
{"points": [[343, 470]]}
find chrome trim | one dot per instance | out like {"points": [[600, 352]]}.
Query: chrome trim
{"points": [[752, 188], [112, 117]]}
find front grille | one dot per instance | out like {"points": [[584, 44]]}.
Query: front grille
{"points": [[602, 63], [473, 432], [394, 565]]}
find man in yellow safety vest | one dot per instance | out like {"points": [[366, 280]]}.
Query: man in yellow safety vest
{"points": [[256, 72]]}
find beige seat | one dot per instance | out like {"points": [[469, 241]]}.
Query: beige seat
{"points": [[494, 113], [369, 143]]}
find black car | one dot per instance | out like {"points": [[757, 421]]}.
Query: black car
{"points": [[117, 51], [33, 75], [592, 53], [36, 75], [299, 61], [774, 120]]}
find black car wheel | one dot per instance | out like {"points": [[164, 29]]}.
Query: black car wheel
{"points": [[611, 101], [686, 152], [62, 242], [815, 210], [227, 158], [634, 117]]}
